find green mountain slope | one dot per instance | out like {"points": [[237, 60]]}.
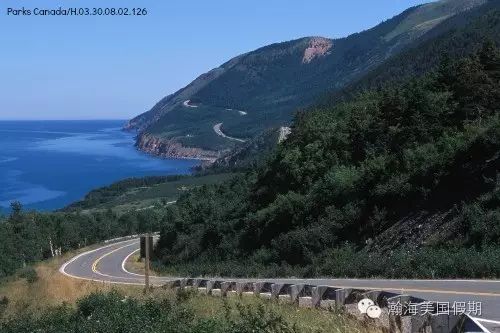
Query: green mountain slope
{"points": [[455, 37], [405, 176], [263, 88]]}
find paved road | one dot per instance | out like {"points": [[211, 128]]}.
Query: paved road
{"points": [[107, 264], [218, 131], [188, 105]]}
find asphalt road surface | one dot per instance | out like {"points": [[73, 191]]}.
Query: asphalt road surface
{"points": [[218, 131], [107, 264]]}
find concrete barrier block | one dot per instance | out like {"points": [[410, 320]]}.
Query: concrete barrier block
{"points": [[232, 293], [213, 285], [172, 284], [323, 296], [349, 295], [443, 323], [301, 294], [285, 299], [281, 292], [343, 296], [244, 287], [353, 310], [317, 295], [200, 283], [226, 286], [263, 289], [189, 284], [295, 292], [407, 323], [210, 286], [327, 304], [276, 290], [305, 302], [380, 297]]}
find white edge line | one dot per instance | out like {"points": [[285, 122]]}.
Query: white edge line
{"points": [[124, 262], [476, 321], [124, 269], [487, 320]]}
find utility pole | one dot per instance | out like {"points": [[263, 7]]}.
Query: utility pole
{"points": [[146, 263]]}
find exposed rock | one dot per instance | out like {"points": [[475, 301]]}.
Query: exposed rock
{"points": [[172, 149], [417, 230], [318, 47], [284, 133]]}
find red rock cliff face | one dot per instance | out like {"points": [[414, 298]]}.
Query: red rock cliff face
{"points": [[173, 149]]}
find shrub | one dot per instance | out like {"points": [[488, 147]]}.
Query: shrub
{"points": [[29, 273], [114, 313], [4, 302]]}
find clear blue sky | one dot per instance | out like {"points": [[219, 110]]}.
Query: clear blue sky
{"points": [[118, 67]]}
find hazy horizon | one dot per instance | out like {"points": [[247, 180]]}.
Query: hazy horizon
{"points": [[96, 68]]}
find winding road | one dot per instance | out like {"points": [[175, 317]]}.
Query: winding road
{"points": [[218, 127], [107, 264], [218, 131]]}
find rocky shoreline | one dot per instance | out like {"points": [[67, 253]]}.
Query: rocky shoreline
{"points": [[169, 148]]}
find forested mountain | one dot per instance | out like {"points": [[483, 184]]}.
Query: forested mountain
{"points": [[405, 176], [263, 88]]}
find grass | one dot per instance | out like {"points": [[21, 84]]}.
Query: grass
{"points": [[135, 265], [306, 320]]}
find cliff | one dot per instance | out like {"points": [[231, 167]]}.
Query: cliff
{"points": [[172, 149]]}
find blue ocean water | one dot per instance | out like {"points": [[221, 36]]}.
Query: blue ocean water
{"points": [[48, 164]]}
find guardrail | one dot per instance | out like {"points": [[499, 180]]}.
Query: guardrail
{"points": [[345, 299], [124, 238]]}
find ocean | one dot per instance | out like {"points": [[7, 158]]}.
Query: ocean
{"points": [[48, 164]]}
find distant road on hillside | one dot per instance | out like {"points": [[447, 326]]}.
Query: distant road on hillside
{"points": [[218, 131]]}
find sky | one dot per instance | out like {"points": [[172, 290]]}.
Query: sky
{"points": [[105, 67]]}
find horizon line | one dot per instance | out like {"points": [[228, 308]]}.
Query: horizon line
{"points": [[89, 119]]}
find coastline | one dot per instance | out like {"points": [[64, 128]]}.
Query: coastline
{"points": [[169, 148]]}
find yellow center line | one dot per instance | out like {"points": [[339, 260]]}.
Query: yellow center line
{"points": [[98, 260]]}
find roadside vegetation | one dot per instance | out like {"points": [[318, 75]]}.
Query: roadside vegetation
{"points": [[39, 299], [178, 312]]}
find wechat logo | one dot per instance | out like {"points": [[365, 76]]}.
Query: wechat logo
{"points": [[368, 307]]}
